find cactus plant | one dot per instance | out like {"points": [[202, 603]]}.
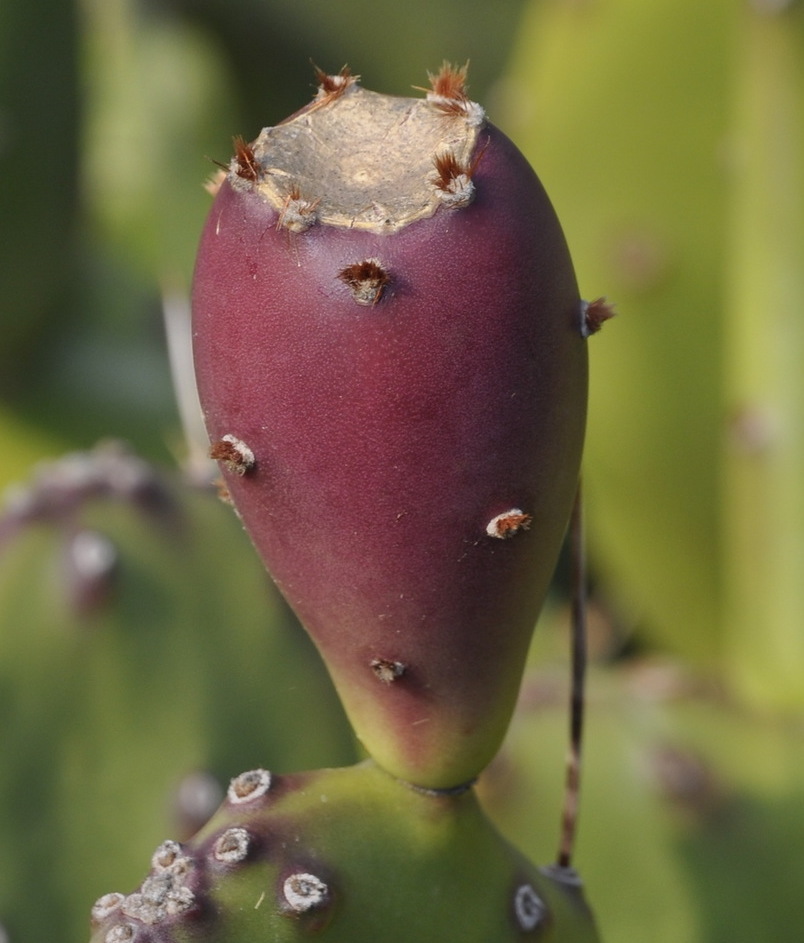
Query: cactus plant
{"points": [[661, 165], [390, 354]]}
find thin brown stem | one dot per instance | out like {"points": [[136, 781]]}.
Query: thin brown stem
{"points": [[569, 819]]}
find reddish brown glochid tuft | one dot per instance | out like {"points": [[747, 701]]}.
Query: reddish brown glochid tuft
{"points": [[233, 453], [331, 87], [366, 280], [246, 165], [509, 523], [595, 314], [387, 670], [448, 93], [297, 213], [450, 81]]}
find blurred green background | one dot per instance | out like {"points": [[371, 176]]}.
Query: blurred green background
{"points": [[670, 136]]}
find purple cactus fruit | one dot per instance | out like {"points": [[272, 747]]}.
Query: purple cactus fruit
{"points": [[390, 356]]}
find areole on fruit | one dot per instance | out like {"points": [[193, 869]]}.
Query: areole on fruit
{"points": [[385, 311]]}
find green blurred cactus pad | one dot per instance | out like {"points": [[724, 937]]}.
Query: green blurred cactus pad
{"points": [[691, 812], [631, 145], [144, 659]]}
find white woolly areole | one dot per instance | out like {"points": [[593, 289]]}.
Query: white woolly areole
{"points": [[232, 845], [245, 453], [305, 892], [120, 934], [460, 191], [248, 786], [161, 895], [92, 554], [298, 214], [528, 907], [508, 523], [338, 84], [105, 906], [168, 856]]}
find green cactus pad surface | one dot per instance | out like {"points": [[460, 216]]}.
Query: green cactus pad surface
{"points": [[344, 855]]}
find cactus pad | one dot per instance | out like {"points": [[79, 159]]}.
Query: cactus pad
{"points": [[347, 855]]}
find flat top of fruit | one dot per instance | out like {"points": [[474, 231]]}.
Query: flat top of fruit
{"points": [[362, 160]]}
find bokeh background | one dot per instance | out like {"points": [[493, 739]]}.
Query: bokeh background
{"points": [[136, 676]]}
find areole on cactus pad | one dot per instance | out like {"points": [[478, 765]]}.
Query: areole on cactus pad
{"points": [[390, 352]]}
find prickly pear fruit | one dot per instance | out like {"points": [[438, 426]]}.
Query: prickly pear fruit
{"points": [[347, 854], [390, 354], [133, 678]]}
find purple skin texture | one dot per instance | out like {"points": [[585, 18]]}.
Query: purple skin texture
{"points": [[387, 436]]}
